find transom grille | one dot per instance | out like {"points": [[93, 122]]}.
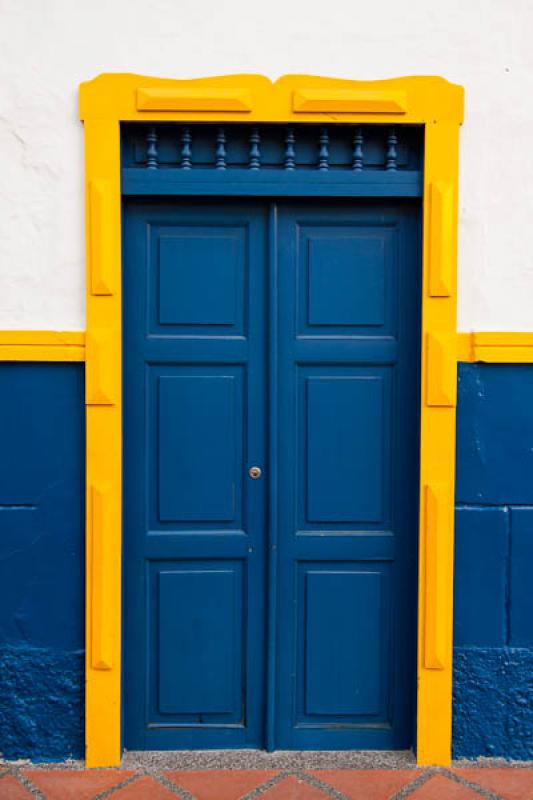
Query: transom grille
{"points": [[267, 147], [336, 160]]}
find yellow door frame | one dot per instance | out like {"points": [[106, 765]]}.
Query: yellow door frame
{"points": [[107, 101]]}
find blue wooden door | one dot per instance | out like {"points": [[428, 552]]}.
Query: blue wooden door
{"points": [[276, 611], [347, 483], [195, 422]]}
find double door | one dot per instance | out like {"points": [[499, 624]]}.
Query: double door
{"points": [[271, 396]]}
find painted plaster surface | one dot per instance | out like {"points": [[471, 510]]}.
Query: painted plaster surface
{"points": [[493, 708], [48, 48], [493, 624], [41, 560], [41, 696], [495, 435]]}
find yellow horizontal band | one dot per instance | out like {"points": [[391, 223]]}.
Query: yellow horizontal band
{"points": [[42, 346], [495, 348]]}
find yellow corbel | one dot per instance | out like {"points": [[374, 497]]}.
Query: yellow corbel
{"points": [[442, 239], [102, 580], [437, 525], [441, 376]]}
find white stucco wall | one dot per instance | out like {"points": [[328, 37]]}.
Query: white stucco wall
{"points": [[47, 47]]}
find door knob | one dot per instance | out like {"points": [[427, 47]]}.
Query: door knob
{"points": [[254, 473]]}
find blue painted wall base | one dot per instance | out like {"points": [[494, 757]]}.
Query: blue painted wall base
{"points": [[492, 697], [41, 697], [42, 540], [42, 562], [493, 616]]}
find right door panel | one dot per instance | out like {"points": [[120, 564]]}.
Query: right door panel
{"points": [[348, 411]]}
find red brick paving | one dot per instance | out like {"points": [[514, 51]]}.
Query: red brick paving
{"points": [[71, 784], [510, 784], [441, 788], [143, 789], [11, 789], [293, 788], [221, 784], [378, 784], [65, 784]]}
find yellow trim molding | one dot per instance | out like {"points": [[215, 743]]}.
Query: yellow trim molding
{"points": [[158, 99], [495, 348], [105, 102], [345, 101], [42, 346]]}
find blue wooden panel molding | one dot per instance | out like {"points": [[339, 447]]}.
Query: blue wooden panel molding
{"points": [[200, 277], [199, 447], [196, 279], [345, 438], [41, 560], [198, 676], [136, 182], [493, 653], [351, 290], [344, 662]]}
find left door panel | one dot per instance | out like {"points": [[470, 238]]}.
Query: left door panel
{"points": [[195, 421]]}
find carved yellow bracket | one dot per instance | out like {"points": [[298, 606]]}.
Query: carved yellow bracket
{"points": [[100, 381], [101, 254], [442, 240], [441, 376]]}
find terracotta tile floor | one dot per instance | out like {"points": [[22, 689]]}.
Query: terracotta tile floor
{"points": [[513, 783]]}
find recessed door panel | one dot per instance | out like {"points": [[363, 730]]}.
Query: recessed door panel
{"points": [[196, 279], [346, 614], [198, 610], [346, 434], [347, 279], [200, 446]]}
